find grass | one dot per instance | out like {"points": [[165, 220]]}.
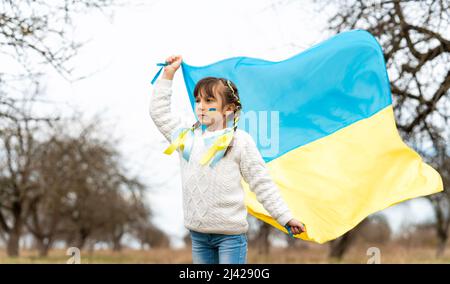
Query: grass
{"points": [[390, 253]]}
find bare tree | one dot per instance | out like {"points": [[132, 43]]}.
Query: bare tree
{"points": [[339, 246], [103, 200], [64, 183], [414, 37], [60, 186], [123, 213], [35, 35], [18, 183], [440, 160], [41, 32], [46, 205], [57, 169], [152, 236]]}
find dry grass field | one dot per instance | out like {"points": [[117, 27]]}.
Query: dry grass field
{"points": [[390, 253]]}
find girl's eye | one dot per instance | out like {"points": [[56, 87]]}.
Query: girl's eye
{"points": [[208, 100]]}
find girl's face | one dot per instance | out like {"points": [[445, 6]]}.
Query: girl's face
{"points": [[210, 110]]}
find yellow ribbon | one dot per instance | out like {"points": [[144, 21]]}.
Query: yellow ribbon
{"points": [[220, 144], [179, 142]]}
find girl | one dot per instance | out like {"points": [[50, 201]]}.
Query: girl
{"points": [[213, 197]]}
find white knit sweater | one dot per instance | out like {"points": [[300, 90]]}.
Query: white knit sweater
{"points": [[213, 197]]}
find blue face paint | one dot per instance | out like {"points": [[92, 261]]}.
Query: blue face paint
{"points": [[212, 109]]}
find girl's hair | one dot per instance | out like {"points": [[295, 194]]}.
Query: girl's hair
{"points": [[227, 90]]}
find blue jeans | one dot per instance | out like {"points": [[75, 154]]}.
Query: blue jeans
{"points": [[218, 248]]}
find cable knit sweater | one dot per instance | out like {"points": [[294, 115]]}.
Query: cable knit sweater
{"points": [[213, 197]]}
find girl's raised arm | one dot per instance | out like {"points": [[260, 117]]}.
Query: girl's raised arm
{"points": [[160, 110]]}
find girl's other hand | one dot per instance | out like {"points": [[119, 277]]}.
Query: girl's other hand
{"points": [[297, 227]]}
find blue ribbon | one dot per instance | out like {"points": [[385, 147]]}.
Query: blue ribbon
{"points": [[159, 71], [288, 228], [188, 145]]}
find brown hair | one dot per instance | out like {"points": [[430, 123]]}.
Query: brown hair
{"points": [[226, 89]]}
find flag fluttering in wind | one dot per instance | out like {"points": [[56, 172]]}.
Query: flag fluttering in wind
{"points": [[338, 155]]}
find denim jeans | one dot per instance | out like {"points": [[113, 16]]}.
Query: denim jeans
{"points": [[218, 248]]}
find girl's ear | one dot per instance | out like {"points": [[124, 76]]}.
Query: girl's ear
{"points": [[229, 111], [229, 108]]}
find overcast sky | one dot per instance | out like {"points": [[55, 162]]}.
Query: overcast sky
{"points": [[123, 53]]}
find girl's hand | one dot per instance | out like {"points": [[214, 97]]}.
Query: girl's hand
{"points": [[174, 62], [297, 227]]}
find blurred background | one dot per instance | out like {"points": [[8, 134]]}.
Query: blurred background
{"points": [[81, 162]]}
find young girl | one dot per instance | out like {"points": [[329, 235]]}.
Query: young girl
{"points": [[213, 197]]}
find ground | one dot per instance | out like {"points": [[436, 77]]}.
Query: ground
{"points": [[390, 253]]}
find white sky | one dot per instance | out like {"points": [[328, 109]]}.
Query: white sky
{"points": [[125, 52]]}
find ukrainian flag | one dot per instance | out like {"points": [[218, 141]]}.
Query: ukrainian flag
{"points": [[339, 156]]}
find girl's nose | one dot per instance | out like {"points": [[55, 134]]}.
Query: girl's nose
{"points": [[200, 106]]}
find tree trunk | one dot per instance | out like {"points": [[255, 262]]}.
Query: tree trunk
{"points": [[117, 246], [43, 246], [442, 224], [82, 237], [339, 246], [12, 248], [442, 242], [116, 240], [263, 239], [13, 243]]}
